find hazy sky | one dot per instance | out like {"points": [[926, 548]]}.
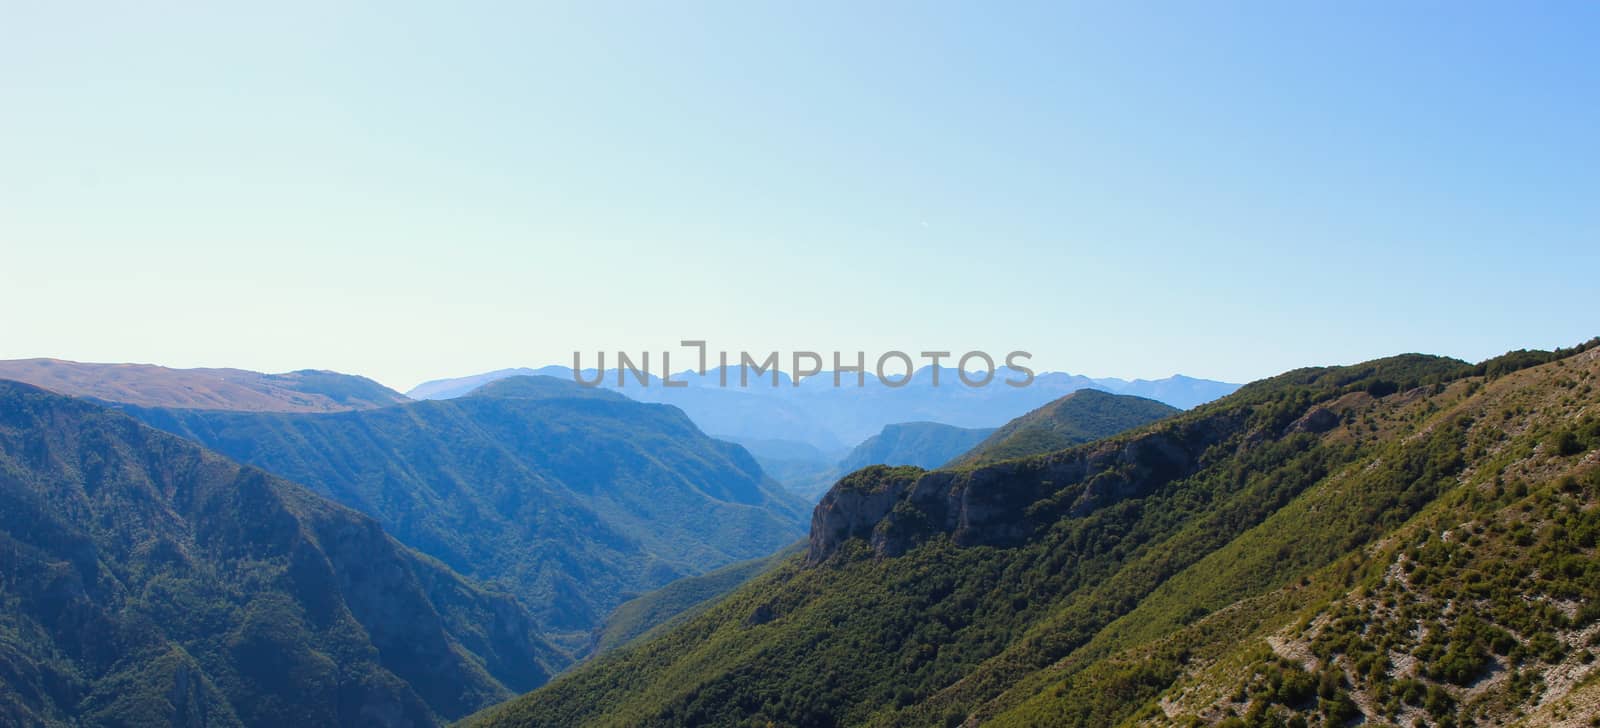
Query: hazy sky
{"points": [[413, 191]]}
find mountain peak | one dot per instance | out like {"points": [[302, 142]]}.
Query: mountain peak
{"points": [[537, 386], [1079, 417]]}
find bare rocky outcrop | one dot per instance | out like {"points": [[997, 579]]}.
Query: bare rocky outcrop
{"points": [[1318, 420], [855, 506]]}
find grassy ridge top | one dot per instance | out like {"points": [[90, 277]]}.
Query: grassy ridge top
{"points": [[145, 385]]}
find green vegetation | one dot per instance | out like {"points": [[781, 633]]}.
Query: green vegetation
{"points": [[1077, 418], [1083, 416], [567, 497], [146, 581], [680, 600], [1407, 539]]}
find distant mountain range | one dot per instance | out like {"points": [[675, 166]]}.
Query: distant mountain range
{"points": [[307, 390], [146, 581], [833, 419]]}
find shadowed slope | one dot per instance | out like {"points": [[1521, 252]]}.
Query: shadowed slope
{"points": [[568, 501], [147, 581]]}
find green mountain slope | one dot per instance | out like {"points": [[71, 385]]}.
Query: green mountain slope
{"points": [[1080, 417], [681, 599], [1172, 574], [307, 390], [569, 502], [146, 581]]}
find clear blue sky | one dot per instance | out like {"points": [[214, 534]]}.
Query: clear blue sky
{"points": [[422, 190]]}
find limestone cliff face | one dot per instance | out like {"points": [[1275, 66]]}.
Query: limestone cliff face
{"points": [[894, 509], [856, 505]]}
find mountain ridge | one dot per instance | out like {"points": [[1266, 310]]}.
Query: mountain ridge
{"points": [[828, 418], [1138, 580], [148, 580], [304, 390], [568, 502], [923, 444]]}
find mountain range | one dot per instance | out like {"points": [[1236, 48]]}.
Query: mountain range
{"points": [[1076, 418], [572, 499], [833, 419], [307, 390], [1407, 541], [146, 581]]}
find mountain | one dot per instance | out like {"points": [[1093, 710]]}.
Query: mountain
{"points": [[146, 581], [1083, 416], [542, 387], [1408, 541], [456, 387], [747, 406], [1177, 390], [924, 444], [570, 498], [1079, 417], [308, 390]]}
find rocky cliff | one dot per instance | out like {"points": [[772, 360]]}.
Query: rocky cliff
{"points": [[895, 509]]}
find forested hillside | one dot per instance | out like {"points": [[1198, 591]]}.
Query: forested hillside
{"points": [[570, 498], [1409, 538], [1083, 416], [146, 581]]}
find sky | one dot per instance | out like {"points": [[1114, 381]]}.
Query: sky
{"points": [[419, 190]]}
